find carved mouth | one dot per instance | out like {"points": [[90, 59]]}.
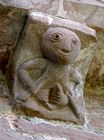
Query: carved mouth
{"points": [[64, 51]]}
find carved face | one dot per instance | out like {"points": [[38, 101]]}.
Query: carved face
{"points": [[60, 45]]}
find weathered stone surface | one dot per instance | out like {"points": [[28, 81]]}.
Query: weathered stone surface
{"points": [[4, 135], [1, 90], [37, 25], [92, 14], [11, 21], [95, 78], [95, 105], [94, 17], [95, 112], [77, 27], [59, 8], [68, 133], [97, 122], [22, 129], [85, 11], [6, 131], [39, 129], [99, 3], [4, 108], [95, 101], [95, 109], [4, 123]]}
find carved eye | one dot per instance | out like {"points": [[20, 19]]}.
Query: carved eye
{"points": [[56, 37], [75, 41]]}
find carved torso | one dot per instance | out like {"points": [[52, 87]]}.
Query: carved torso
{"points": [[57, 72]]}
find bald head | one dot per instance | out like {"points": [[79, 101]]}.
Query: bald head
{"points": [[60, 45]]}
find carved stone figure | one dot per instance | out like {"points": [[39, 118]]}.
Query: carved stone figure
{"points": [[37, 59], [60, 48]]}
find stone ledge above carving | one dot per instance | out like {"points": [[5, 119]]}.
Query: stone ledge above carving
{"points": [[80, 29]]}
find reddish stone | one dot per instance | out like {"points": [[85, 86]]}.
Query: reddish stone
{"points": [[5, 135], [4, 123], [97, 122], [95, 105], [60, 131], [93, 110]]}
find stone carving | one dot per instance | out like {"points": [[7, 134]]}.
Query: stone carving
{"points": [[22, 56], [44, 78], [60, 48], [47, 85]]}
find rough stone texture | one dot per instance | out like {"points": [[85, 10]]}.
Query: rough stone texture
{"points": [[95, 78], [37, 25], [67, 133], [22, 129], [4, 108], [4, 135], [4, 123], [1, 90], [11, 20], [97, 122], [95, 101], [95, 112], [88, 12], [93, 16], [7, 133], [26, 128], [99, 3], [61, 8]]}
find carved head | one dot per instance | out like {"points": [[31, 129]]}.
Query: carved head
{"points": [[60, 45]]}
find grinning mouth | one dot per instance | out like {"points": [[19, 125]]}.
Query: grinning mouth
{"points": [[64, 51]]}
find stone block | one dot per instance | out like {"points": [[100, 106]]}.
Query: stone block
{"points": [[58, 131]]}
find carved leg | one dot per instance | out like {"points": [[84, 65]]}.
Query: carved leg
{"points": [[72, 102], [74, 105], [43, 97], [75, 108]]}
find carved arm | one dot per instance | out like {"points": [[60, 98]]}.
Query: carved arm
{"points": [[23, 71]]}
